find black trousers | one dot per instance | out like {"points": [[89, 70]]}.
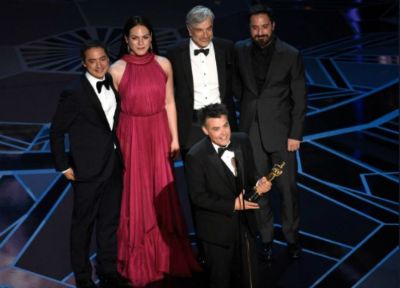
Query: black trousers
{"points": [[285, 184], [233, 266], [96, 205]]}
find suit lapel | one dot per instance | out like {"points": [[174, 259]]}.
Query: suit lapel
{"points": [[239, 157], [239, 162], [247, 63], [220, 59], [187, 66], [91, 94], [274, 65], [118, 101]]}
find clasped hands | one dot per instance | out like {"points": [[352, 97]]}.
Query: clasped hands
{"points": [[263, 186]]}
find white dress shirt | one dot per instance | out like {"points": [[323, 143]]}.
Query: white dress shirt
{"points": [[228, 157], [106, 97], [205, 77]]}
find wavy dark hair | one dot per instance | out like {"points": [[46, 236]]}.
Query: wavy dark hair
{"points": [[92, 44], [261, 9], [212, 111], [129, 24]]}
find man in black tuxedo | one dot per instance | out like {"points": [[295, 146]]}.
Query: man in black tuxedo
{"points": [[88, 113], [203, 69], [272, 96], [220, 174]]}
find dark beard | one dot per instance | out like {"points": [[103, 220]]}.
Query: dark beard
{"points": [[262, 41]]}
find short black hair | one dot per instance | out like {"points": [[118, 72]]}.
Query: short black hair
{"points": [[212, 111], [261, 9], [92, 44]]}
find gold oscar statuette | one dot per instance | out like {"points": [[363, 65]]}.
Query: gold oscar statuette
{"points": [[276, 171]]}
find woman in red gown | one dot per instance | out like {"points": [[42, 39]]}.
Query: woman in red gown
{"points": [[152, 237]]}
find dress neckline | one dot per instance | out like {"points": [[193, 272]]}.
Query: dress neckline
{"points": [[134, 59]]}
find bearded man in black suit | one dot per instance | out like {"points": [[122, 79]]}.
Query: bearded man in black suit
{"points": [[88, 113], [221, 174], [271, 91]]}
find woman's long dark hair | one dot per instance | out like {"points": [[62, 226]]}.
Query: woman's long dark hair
{"points": [[129, 24]]}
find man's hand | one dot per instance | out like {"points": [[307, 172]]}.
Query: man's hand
{"points": [[293, 145], [247, 204], [263, 185], [69, 174]]}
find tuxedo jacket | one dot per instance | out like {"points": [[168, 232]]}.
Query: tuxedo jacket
{"points": [[281, 104], [179, 55], [213, 191], [91, 141]]}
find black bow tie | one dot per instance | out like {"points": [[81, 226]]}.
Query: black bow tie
{"points": [[221, 150], [202, 50], [100, 84]]}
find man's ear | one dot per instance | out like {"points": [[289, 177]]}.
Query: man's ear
{"points": [[204, 130], [188, 28]]}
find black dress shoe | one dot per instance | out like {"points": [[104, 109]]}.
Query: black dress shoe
{"points": [[294, 250], [113, 281], [85, 284], [266, 251]]}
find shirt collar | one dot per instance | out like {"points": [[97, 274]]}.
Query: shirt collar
{"points": [[193, 46], [93, 80], [217, 146]]}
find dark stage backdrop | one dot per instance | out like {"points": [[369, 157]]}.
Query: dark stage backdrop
{"points": [[348, 164]]}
